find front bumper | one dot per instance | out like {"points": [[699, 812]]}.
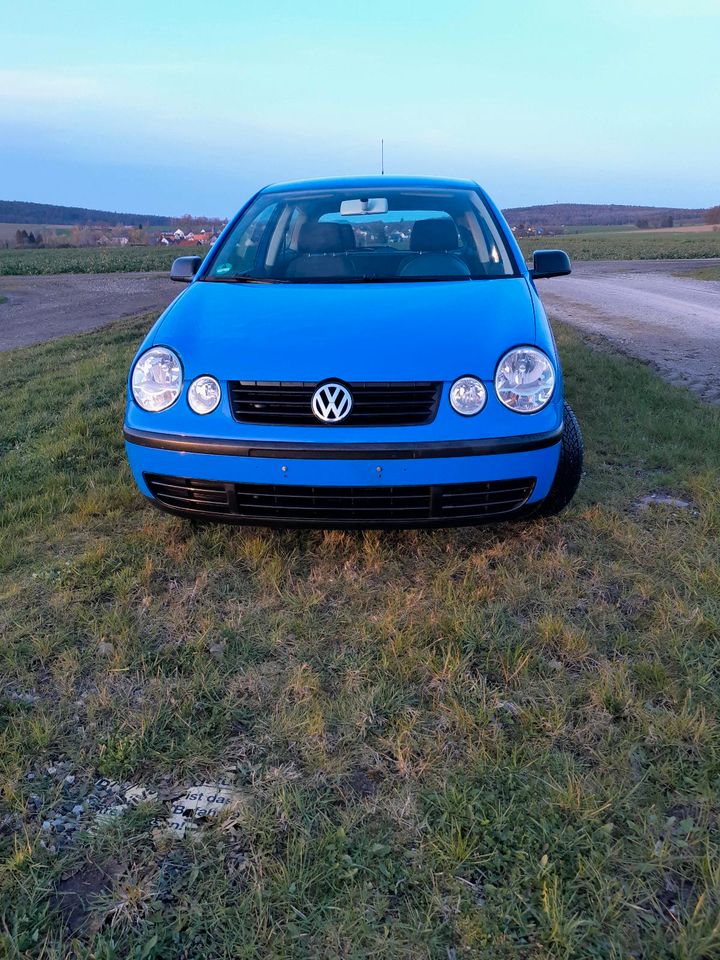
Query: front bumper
{"points": [[344, 486]]}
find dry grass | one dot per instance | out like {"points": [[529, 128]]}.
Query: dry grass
{"points": [[494, 743]]}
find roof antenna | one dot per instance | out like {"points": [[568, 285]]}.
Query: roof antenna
{"points": [[382, 157]]}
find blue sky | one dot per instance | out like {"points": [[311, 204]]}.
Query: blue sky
{"points": [[186, 107]]}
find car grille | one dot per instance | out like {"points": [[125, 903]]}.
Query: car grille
{"points": [[374, 404], [285, 505]]}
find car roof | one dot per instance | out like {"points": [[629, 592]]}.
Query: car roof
{"points": [[369, 183]]}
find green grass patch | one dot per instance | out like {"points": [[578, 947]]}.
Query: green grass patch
{"points": [[601, 228], [704, 273], [498, 742], [626, 245], [52, 260]]}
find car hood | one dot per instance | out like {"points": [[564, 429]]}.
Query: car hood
{"points": [[372, 331]]}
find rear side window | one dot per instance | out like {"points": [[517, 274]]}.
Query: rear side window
{"points": [[394, 231]]}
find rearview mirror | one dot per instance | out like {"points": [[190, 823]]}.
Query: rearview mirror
{"points": [[185, 268], [550, 263], [355, 208]]}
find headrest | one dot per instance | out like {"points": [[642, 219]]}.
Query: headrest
{"points": [[324, 238], [348, 235], [439, 234]]}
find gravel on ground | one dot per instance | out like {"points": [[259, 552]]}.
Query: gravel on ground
{"points": [[46, 307], [671, 322]]}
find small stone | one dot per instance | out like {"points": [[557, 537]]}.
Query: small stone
{"points": [[105, 649], [663, 500], [78, 809], [217, 649], [46, 825], [51, 770], [70, 778], [508, 705]]}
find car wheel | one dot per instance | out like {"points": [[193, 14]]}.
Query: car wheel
{"points": [[569, 468]]}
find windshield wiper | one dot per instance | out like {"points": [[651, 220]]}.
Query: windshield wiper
{"points": [[402, 279], [242, 279]]}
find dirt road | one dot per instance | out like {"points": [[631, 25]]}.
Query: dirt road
{"points": [[34, 309], [671, 322]]}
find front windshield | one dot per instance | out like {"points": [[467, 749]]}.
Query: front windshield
{"points": [[341, 236]]}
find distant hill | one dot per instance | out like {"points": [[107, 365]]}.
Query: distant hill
{"points": [[555, 215], [20, 211], [550, 216]]}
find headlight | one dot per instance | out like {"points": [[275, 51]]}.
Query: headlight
{"points": [[525, 380], [204, 394], [156, 379], [468, 396]]}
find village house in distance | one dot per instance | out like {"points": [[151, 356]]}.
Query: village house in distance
{"points": [[190, 239], [185, 235], [28, 225]]}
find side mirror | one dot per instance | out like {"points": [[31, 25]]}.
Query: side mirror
{"points": [[550, 263], [185, 268]]}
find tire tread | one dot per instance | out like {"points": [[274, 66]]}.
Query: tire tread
{"points": [[569, 468]]}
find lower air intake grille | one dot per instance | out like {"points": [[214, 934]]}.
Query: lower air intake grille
{"points": [[196, 496], [284, 505]]}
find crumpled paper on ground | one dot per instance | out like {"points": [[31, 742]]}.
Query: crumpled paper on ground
{"points": [[200, 804]]}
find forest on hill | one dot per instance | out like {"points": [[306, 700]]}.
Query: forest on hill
{"points": [[555, 215], [551, 216], [21, 211]]}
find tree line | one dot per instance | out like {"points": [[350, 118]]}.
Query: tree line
{"points": [[25, 239]]}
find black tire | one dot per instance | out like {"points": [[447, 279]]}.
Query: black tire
{"points": [[569, 469]]}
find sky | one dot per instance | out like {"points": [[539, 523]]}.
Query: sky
{"points": [[186, 107]]}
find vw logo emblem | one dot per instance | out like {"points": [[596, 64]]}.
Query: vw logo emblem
{"points": [[332, 402]]}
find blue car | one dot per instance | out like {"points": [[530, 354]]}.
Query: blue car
{"points": [[356, 352]]}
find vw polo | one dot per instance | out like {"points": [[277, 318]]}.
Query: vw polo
{"points": [[366, 352]]}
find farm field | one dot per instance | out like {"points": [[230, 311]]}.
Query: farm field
{"points": [[627, 245], [602, 228], [600, 245], [54, 230], [134, 259], [499, 742]]}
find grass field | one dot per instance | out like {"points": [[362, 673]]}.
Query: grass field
{"points": [[602, 228], [705, 273], [91, 259], [626, 245], [493, 743]]}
